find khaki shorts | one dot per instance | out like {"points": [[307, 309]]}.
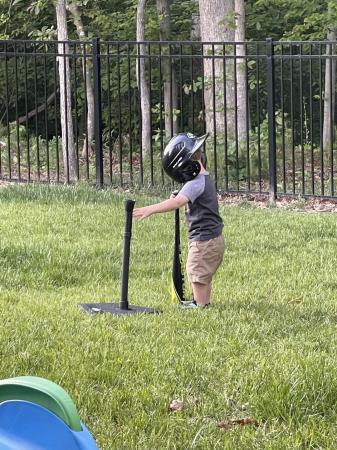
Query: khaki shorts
{"points": [[204, 258]]}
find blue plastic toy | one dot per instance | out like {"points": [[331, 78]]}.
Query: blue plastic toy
{"points": [[37, 414]]}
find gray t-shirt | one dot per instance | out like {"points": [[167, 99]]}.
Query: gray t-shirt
{"points": [[202, 213]]}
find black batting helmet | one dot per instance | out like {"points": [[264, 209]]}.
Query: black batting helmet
{"points": [[177, 161]]}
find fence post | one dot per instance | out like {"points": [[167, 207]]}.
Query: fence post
{"points": [[98, 111], [271, 119]]}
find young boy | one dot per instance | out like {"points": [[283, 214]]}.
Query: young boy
{"points": [[182, 161]]}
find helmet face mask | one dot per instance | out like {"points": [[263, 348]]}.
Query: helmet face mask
{"points": [[177, 157]]}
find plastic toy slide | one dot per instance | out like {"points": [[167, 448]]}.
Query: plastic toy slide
{"points": [[37, 414]]}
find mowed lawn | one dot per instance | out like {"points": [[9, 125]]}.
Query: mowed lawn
{"points": [[266, 351]]}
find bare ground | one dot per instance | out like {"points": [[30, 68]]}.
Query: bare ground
{"points": [[297, 204]]}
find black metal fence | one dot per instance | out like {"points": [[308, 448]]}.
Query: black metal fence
{"points": [[103, 112]]}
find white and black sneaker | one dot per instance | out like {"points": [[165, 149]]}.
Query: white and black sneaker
{"points": [[191, 304]]}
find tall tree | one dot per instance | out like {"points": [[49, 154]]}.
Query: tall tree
{"points": [[195, 27], [170, 85], [88, 145], [216, 25], [143, 85], [241, 73], [330, 87], [69, 154]]}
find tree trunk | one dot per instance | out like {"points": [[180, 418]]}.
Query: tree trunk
{"points": [[195, 29], [215, 26], [69, 154], [170, 85], [241, 77], [88, 145], [329, 91], [142, 81]]}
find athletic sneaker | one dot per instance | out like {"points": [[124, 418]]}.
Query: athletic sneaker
{"points": [[191, 304]]}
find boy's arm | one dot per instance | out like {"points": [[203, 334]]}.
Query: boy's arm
{"points": [[165, 206]]}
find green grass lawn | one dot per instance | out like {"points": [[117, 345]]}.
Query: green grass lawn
{"points": [[266, 350]]}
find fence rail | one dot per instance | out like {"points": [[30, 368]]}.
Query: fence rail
{"points": [[103, 112]]}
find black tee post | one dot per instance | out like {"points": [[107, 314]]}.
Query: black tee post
{"points": [[124, 302], [123, 306]]}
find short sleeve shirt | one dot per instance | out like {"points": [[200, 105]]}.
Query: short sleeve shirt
{"points": [[202, 213]]}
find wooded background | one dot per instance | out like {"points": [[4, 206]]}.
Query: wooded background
{"points": [[47, 101]]}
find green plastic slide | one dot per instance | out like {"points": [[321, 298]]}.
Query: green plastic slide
{"points": [[42, 392]]}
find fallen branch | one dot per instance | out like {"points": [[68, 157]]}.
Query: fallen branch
{"points": [[39, 109]]}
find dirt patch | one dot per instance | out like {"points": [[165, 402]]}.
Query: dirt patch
{"points": [[5, 183], [295, 204]]}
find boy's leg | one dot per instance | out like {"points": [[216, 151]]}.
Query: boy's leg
{"points": [[203, 260], [201, 293]]}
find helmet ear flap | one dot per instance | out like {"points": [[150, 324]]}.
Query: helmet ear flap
{"points": [[190, 170]]}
